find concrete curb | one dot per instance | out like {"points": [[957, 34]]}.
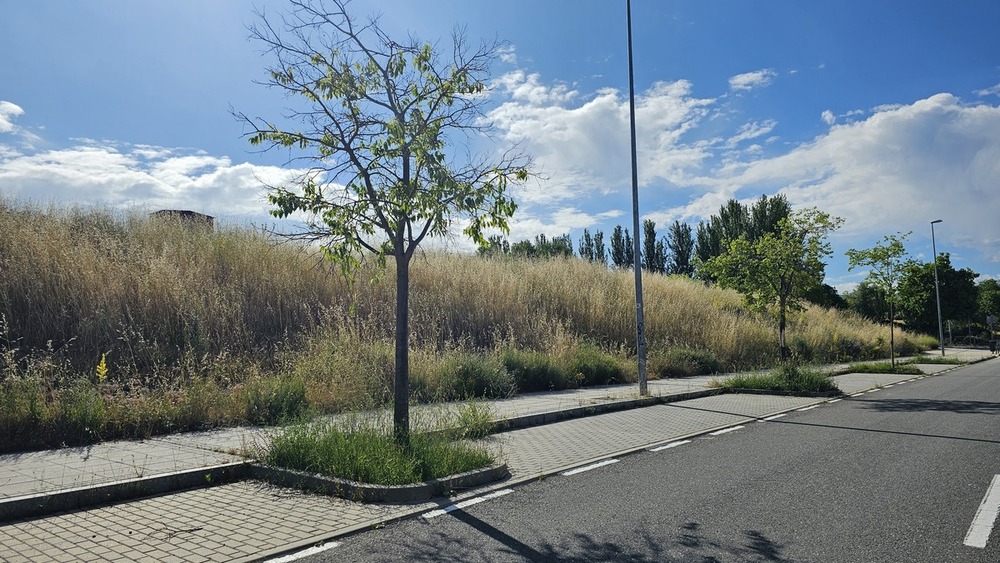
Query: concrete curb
{"points": [[42, 504], [364, 492]]}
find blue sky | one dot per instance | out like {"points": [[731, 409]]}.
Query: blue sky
{"points": [[884, 113]]}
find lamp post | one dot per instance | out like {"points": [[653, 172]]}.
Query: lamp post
{"points": [[640, 323], [937, 287]]}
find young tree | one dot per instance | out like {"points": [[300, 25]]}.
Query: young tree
{"points": [[778, 268], [600, 254], [917, 299], [654, 257], [587, 246], [885, 261], [681, 246], [622, 252], [384, 126]]}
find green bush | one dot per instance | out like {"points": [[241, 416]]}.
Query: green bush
{"points": [[683, 362], [366, 452], [596, 367], [884, 367], [535, 371], [80, 416], [789, 378], [466, 375], [276, 401]]}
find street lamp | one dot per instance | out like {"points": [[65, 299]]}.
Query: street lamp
{"points": [[937, 287], [640, 323]]}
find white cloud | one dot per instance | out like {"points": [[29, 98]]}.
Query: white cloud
{"points": [[527, 88], [508, 54], [751, 131], [893, 171], [828, 117], [125, 176], [584, 148], [751, 80], [991, 91], [8, 111]]}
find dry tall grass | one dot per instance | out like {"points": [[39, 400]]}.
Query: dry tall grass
{"points": [[189, 318]]}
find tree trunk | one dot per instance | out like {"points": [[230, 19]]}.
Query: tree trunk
{"points": [[892, 336], [781, 329], [401, 388]]}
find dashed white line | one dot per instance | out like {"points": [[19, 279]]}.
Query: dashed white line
{"points": [[775, 417], [588, 467], [856, 394], [986, 516], [670, 445], [304, 553], [807, 408], [465, 503], [834, 400], [725, 430]]}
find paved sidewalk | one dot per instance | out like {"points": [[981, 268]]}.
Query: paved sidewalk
{"points": [[249, 520]]}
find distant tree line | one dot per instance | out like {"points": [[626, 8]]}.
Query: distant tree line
{"points": [[685, 251]]}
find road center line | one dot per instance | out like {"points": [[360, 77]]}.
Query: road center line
{"points": [[304, 553], [725, 430], [986, 516], [465, 503], [670, 445], [588, 467]]}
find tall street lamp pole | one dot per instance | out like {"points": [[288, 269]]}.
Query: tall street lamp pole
{"points": [[640, 323], [937, 287]]}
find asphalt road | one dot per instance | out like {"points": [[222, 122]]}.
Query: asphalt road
{"points": [[893, 475]]}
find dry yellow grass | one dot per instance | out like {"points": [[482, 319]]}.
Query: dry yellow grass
{"points": [[189, 318]]}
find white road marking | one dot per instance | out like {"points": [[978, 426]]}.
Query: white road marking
{"points": [[304, 553], [725, 430], [986, 516], [670, 445], [834, 400], [874, 390], [856, 394], [775, 417], [588, 467], [465, 503], [807, 408]]}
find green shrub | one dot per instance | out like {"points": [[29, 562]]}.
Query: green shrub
{"points": [[683, 362], [80, 416], [463, 375], [276, 401], [788, 378], [593, 366], [364, 451], [884, 367], [535, 371]]}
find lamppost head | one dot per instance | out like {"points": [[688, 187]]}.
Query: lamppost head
{"points": [[936, 221]]}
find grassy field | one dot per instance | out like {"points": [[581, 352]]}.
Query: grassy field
{"points": [[202, 328]]}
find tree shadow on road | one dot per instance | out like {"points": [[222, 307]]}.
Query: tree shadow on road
{"points": [[922, 405], [687, 543]]}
